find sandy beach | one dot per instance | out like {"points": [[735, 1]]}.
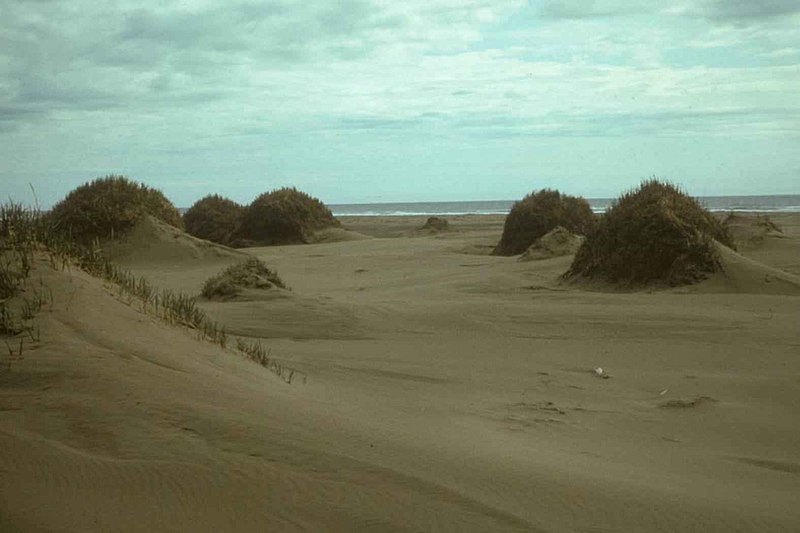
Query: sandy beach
{"points": [[436, 388]]}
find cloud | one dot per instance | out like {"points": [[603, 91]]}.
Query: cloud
{"points": [[748, 10], [586, 9], [723, 11], [137, 83]]}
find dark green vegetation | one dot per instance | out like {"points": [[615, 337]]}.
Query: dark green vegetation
{"points": [[537, 214], [282, 216], [251, 273], [109, 207], [655, 234], [213, 218]]}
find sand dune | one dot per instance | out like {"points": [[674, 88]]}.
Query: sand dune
{"points": [[443, 391], [741, 274], [152, 241]]}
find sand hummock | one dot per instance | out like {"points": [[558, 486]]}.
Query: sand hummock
{"points": [[750, 230], [441, 390], [435, 225], [154, 241], [556, 243], [744, 275]]}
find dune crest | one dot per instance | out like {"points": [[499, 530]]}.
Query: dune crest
{"points": [[336, 234], [153, 241], [744, 275]]}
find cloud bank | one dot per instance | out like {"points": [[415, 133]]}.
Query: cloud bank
{"points": [[261, 94]]}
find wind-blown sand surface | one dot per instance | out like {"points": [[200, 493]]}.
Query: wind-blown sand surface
{"points": [[438, 389]]}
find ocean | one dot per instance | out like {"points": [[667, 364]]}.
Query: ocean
{"points": [[786, 203]]}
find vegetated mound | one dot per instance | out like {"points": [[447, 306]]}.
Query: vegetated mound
{"points": [[249, 274], [153, 241], [283, 216], [539, 213], [108, 207], [213, 218], [435, 225], [751, 230], [655, 234], [555, 243]]}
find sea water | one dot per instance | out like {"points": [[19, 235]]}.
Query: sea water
{"points": [[767, 204]]}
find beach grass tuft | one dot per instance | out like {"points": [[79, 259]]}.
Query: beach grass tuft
{"points": [[251, 273]]}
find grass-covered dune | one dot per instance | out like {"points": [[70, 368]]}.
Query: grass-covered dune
{"points": [[108, 207], [539, 213], [213, 218], [653, 234], [282, 216]]}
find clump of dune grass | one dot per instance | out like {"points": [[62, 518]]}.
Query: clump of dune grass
{"points": [[655, 234], [283, 216], [21, 232], [539, 213], [251, 273], [109, 207], [213, 218]]}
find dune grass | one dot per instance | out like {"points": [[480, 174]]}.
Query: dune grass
{"points": [[250, 273], [653, 234], [282, 216], [22, 231], [263, 356], [539, 213], [109, 207], [213, 218]]}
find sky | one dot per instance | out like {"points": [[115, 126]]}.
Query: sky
{"points": [[385, 100]]}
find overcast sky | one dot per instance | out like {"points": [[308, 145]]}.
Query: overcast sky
{"points": [[400, 100]]}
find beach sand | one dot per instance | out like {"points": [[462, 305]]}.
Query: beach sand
{"points": [[438, 388]]}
